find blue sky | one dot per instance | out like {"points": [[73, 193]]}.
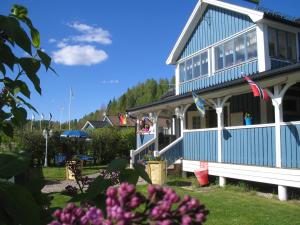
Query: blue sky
{"points": [[102, 48]]}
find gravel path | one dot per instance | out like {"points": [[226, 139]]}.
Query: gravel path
{"points": [[59, 185]]}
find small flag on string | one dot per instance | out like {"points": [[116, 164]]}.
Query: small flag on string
{"points": [[257, 90], [199, 102], [122, 119]]}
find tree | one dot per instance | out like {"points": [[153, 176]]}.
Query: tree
{"points": [[19, 204]]}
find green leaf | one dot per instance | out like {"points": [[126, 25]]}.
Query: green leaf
{"points": [[46, 60], [19, 11], [35, 36], [11, 26], [23, 88], [98, 186], [13, 164], [140, 169], [7, 57], [117, 165], [19, 204], [130, 176], [8, 129], [20, 114], [31, 67]]}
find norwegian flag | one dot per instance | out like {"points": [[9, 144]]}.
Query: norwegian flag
{"points": [[257, 90]]}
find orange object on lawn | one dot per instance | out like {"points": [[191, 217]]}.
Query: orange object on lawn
{"points": [[202, 176]]}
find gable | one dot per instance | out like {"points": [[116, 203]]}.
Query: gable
{"points": [[215, 25]]}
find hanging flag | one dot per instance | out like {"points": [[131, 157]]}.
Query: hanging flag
{"points": [[199, 102], [122, 119], [253, 1], [257, 90]]}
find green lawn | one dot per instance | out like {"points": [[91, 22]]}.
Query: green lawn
{"points": [[231, 206], [59, 173]]}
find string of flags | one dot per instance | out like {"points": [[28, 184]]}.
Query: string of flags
{"points": [[257, 90]]}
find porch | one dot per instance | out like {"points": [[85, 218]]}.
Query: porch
{"points": [[267, 151]]}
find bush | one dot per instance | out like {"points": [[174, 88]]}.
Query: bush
{"points": [[110, 143]]}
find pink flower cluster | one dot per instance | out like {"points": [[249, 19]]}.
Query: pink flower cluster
{"points": [[125, 206]]}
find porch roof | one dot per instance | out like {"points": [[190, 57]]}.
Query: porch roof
{"points": [[267, 75]]}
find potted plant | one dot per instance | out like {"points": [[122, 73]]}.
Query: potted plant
{"points": [[248, 119], [156, 169]]}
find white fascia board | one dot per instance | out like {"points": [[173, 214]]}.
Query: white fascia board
{"points": [[87, 123], [106, 117], [197, 14], [186, 32], [255, 15]]}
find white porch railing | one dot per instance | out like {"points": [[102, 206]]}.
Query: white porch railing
{"points": [[174, 149], [139, 150]]}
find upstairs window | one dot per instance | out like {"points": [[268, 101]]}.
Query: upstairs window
{"points": [[219, 57], [229, 56], [282, 44], [182, 71], [235, 51], [251, 45], [194, 67], [240, 49], [204, 63]]}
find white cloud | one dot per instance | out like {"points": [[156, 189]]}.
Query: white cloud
{"points": [[52, 40], [110, 82], [71, 55], [90, 34]]}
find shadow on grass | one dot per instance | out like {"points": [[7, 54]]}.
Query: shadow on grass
{"points": [[179, 183]]}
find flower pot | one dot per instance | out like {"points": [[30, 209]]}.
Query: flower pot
{"points": [[248, 121], [69, 173], [157, 171]]}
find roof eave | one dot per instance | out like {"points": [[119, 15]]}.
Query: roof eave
{"points": [[197, 14]]}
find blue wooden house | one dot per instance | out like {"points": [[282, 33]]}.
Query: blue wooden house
{"points": [[220, 44]]}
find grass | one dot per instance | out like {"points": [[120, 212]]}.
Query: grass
{"points": [[227, 206], [59, 173]]}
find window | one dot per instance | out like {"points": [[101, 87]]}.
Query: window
{"points": [[251, 45], [182, 72], [219, 64], [239, 49], [229, 56], [291, 47], [196, 67], [189, 69], [196, 122], [282, 44], [272, 42], [204, 63]]}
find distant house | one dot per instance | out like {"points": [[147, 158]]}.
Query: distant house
{"points": [[220, 44], [108, 121]]}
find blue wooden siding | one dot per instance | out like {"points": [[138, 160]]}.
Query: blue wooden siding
{"points": [[278, 63], [174, 153], [290, 146], [143, 138], [249, 146], [200, 145], [215, 25], [225, 75], [299, 46]]}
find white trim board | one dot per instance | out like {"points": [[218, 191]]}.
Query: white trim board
{"points": [[277, 176], [197, 14]]}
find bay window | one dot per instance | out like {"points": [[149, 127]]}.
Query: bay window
{"points": [[189, 69], [235, 51], [182, 71], [282, 44], [196, 67], [204, 63]]}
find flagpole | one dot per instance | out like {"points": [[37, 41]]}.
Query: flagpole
{"points": [[70, 109], [60, 117]]}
